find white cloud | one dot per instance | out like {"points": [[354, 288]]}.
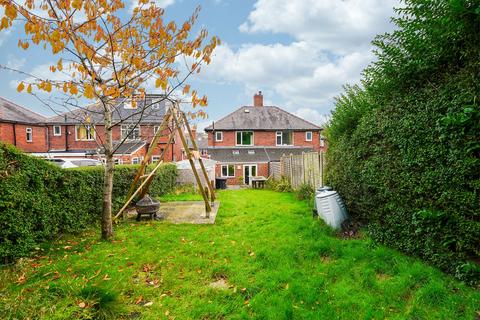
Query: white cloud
{"points": [[158, 3], [295, 76], [15, 63], [334, 25], [331, 46]]}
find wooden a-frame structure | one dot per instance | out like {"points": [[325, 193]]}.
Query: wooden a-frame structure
{"points": [[179, 123]]}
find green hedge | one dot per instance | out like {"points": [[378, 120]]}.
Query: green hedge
{"points": [[39, 200], [404, 148]]}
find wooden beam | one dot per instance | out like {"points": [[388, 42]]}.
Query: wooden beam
{"points": [[154, 141], [200, 160], [149, 178], [208, 208]]}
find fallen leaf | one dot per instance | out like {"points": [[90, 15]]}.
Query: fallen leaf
{"points": [[22, 279], [82, 305], [67, 247], [148, 304], [106, 278], [139, 300]]}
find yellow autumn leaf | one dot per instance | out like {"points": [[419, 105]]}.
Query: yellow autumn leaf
{"points": [[77, 4], [20, 87], [48, 87], [60, 65], [4, 24], [11, 11], [29, 88], [73, 89], [88, 92]]}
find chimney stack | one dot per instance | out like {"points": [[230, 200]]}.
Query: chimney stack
{"points": [[258, 99]]}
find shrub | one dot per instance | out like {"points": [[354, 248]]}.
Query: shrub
{"points": [[281, 185], [404, 150], [39, 200], [305, 192]]}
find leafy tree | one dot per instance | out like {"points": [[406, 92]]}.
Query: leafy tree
{"points": [[105, 53]]}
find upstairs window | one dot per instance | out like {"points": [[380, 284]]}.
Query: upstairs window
{"points": [[135, 160], [130, 132], [228, 171], [29, 132], [219, 136], [57, 131], [308, 136], [244, 138], [84, 133], [284, 138]]}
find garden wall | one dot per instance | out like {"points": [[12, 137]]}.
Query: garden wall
{"points": [[39, 200]]}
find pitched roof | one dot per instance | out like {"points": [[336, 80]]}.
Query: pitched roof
{"points": [[94, 112], [237, 155], [10, 111], [128, 147], [262, 118]]}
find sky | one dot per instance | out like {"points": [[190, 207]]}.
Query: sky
{"points": [[299, 53]]}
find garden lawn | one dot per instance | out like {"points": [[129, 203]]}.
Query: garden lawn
{"points": [[267, 258]]}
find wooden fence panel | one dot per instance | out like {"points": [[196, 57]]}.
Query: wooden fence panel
{"points": [[306, 168]]}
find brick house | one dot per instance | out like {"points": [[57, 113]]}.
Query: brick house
{"points": [[250, 140], [79, 133]]}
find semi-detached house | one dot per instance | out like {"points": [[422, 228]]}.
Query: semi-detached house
{"points": [[251, 140]]}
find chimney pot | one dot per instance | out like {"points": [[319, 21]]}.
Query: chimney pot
{"points": [[258, 99]]}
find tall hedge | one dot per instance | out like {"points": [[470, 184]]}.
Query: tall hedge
{"points": [[38, 200], [404, 147]]}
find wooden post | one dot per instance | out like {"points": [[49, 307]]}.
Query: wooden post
{"points": [[208, 208], [200, 160]]}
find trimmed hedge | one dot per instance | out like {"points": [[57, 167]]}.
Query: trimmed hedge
{"points": [[38, 200], [404, 149]]}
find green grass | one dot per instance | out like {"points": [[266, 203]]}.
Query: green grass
{"points": [[278, 262]]}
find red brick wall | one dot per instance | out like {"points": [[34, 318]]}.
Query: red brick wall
{"points": [[57, 142], [39, 139], [262, 170], [266, 139], [6, 133]]}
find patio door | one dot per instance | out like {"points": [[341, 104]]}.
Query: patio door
{"points": [[249, 171]]}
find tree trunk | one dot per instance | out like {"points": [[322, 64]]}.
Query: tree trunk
{"points": [[107, 229]]}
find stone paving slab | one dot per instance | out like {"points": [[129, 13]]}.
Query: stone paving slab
{"points": [[190, 212]]}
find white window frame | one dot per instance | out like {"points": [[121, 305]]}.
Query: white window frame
{"points": [[244, 145], [217, 139], [227, 165], [155, 158], [128, 128], [87, 139], [306, 136], [280, 134], [135, 160], [117, 161], [55, 131], [29, 133]]}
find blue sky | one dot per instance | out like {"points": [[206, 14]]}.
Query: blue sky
{"points": [[299, 53]]}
